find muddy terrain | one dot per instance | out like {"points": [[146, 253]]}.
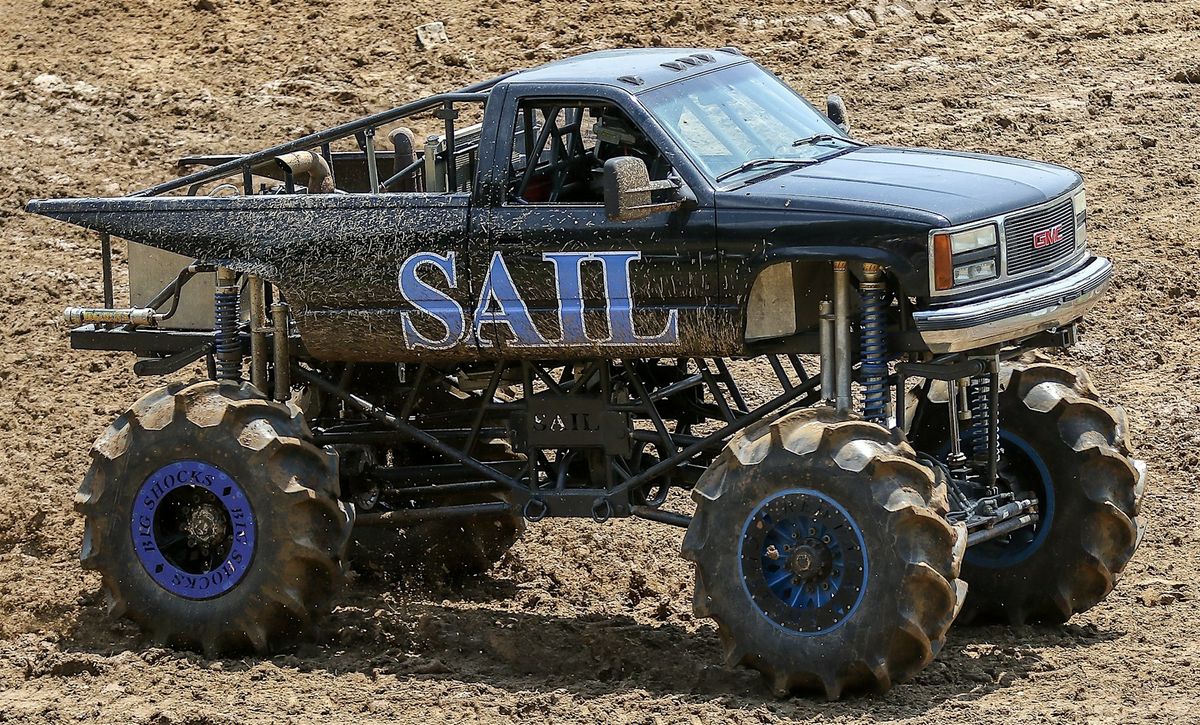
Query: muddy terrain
{"points": [[585, 623]]}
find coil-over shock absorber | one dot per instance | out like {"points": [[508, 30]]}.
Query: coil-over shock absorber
{"points": [[227, 343], [982, 437], [979, 401], [873, 340]]}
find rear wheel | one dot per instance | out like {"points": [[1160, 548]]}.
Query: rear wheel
{"points": [[1062, 444], [212, 520], [822, 554]]}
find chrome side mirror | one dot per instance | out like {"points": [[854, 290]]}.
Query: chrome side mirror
{"points": [[835, 109], [627, 190]]}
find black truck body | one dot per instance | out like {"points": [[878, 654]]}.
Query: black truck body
{"points": [[337, 256]]}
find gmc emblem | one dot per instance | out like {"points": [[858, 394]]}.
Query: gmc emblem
{"points": [[1046, 237]]}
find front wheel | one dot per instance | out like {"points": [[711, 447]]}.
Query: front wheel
{"points": [[1060, 443], [212, 520], [822, 554]]}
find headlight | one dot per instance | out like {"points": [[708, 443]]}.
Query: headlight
{"points": [[1079, 204], [973, 239], [974, 272], [964, 257]]}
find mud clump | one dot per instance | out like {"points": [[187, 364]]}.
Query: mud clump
{"points": [[1187, 75]]}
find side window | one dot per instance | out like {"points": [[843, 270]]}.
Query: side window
{"points": [[559, 150]]}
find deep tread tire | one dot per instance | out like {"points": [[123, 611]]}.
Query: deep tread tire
{"points": [[912, 592], [1097, 494], [291, 485]]}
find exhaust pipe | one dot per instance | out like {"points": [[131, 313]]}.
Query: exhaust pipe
{"points": [[312, 165], [405, 145]]}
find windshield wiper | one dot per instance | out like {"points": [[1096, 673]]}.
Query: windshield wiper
{"points": [[753, 163], [818, 138], [806, 141]]}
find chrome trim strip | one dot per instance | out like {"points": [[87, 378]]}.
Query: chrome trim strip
{"points": [[998, 221], [972, 325]]}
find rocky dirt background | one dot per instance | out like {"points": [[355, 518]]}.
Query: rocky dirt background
{"points": [[584, 623]]}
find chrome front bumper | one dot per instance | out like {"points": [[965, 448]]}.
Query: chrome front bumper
{"points": [[1001, 319]]}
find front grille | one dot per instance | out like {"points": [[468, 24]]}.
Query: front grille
{"points": [[1021, 230]]}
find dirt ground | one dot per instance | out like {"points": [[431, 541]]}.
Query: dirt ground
{"points": [[584, 623]]}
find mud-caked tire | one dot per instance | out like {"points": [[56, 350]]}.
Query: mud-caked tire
{"points": [[823, 556], [213, 521], [1063, 444]]}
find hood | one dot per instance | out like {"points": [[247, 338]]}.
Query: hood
{"points": [[941, 188]]}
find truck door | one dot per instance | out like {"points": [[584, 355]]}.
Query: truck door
{"points": [[555, 276]]}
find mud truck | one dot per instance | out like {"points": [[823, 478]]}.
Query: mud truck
{"points": [[573, 291]]}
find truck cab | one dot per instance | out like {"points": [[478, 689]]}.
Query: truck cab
{"points": [[757, 190]]}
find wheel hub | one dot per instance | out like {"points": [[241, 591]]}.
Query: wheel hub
{"points": [[803, 561], [810, 560], [193, 529], [205, 526]]}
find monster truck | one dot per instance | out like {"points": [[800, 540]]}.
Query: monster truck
{"points": [[593, 283]]}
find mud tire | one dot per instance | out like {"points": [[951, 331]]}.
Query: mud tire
{"points": [[911, 591], [1097, 491], [291, 486]]}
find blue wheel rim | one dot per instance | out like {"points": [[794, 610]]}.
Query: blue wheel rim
{"points": [[803, 562], [996, 555], [193, 529]]}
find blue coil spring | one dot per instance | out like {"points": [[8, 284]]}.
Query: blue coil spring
{"points": [[225, 332], [979, 399], [874, 353]]}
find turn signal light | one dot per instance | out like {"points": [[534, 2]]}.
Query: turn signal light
{"points": [[943, 266]]}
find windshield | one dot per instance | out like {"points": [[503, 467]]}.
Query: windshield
{"points": [[742, 119]]}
